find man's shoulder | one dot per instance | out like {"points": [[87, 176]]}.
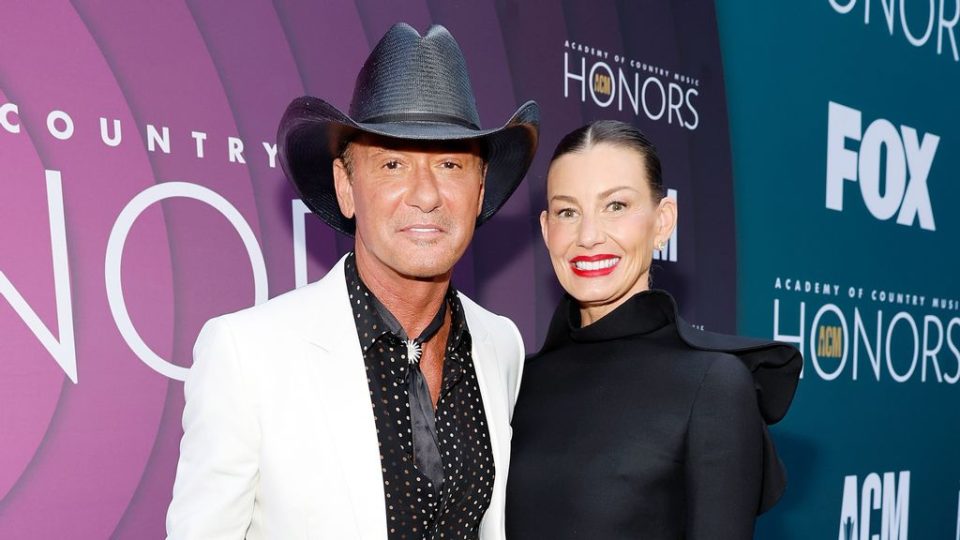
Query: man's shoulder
{"points": [[300, 307], [504, 337], [480, 320], [476, 313]]}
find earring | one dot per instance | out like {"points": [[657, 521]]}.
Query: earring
{"points": [[661, 245]]}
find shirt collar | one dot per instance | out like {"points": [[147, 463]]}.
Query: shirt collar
{"points": [[361, 304], [366, 301]]}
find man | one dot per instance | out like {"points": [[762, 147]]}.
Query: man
{"points": [[374, 403]]}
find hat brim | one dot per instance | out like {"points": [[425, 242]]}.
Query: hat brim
{"points": [[312, 131]]}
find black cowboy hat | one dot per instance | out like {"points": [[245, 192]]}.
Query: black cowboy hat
{"points": [[410, 87]]}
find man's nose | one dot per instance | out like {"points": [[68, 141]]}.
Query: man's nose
{"points": [[424, 192]]}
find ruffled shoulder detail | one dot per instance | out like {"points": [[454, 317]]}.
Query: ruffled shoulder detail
{"points": [[775, 366]]}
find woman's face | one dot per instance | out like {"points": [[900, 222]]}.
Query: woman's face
{"points": [[602, 225]]}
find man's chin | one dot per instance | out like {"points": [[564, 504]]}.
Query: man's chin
{"points": [[426, 271]]}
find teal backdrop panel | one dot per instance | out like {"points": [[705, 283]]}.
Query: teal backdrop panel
{"points": [[845, 133]]}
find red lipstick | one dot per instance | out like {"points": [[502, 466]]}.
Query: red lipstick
{"points": [[594, 265]]}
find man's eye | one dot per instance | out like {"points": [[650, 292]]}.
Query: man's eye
{"points": [[392, 165], [451, 165]]}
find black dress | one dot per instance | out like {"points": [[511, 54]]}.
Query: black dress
{"points": [[640, 426]]}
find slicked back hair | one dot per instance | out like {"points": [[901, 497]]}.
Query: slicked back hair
{"points": [[620, 134]]}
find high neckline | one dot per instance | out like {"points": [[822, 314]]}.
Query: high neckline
{"points": [[642, 313]]}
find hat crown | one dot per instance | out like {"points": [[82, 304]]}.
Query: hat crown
{"points": [[413, 78]]}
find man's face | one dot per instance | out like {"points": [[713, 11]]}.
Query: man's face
{"points": [[415, 202]]}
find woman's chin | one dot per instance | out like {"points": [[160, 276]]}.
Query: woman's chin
{"points": [[591, 297]]}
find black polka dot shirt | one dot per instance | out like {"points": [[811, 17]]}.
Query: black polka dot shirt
{"points": [[415, 507]]}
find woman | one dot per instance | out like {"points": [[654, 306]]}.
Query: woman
{"points": [[630, 422]]}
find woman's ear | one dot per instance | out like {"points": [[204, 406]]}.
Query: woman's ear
{"points": [[666, 219], [543, 226]]}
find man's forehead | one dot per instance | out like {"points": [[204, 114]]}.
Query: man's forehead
{"points": [[380, 142]]}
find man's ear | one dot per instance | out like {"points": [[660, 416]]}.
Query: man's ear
{"points": [[344, 187], [483, 184]]}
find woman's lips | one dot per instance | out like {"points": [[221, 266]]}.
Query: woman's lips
{"points": [[594, 265]]}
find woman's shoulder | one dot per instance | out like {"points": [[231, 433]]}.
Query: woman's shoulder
{"points": [[719, 367], [726, 370], [771, 367]]}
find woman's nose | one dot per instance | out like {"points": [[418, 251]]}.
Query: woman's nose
{"points": [[590, 232]]}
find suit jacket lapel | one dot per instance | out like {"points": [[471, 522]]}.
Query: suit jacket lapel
{"points": [[496, 407], [346, 404], [491, 389]]}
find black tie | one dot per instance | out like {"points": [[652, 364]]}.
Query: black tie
{"points": [[426, 448]]}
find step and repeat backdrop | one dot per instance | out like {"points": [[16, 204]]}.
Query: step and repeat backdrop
{"points": [[846, 157], [140, 195]]}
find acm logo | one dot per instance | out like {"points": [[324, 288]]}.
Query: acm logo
{"points": [[602, 84], [891, 166], [889, 494]]}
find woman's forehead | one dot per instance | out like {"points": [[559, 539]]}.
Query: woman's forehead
{"points": [[597, 172]]}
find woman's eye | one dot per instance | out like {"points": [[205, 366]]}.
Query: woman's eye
{"points": [[566, 213], [617, 206]]}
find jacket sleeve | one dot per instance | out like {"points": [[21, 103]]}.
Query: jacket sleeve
{"points": [[213, 495], [723, 462], [514, 361]]}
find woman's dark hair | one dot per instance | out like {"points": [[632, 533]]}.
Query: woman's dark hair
{"points": [[619, 134]]}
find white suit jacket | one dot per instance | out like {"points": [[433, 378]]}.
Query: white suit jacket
{"points": [[279, 438]]}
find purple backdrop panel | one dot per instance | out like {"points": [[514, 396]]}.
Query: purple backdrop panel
{"points": [[82, 474]]}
